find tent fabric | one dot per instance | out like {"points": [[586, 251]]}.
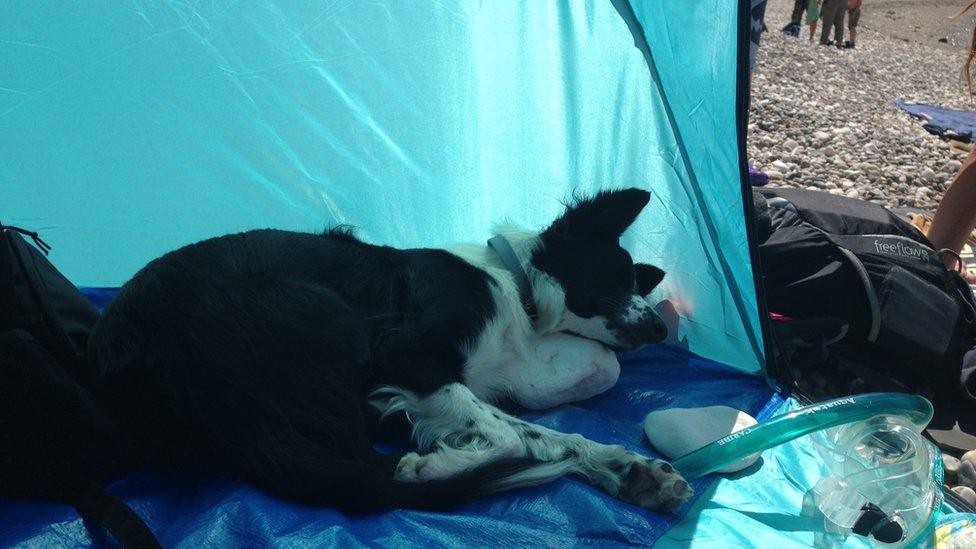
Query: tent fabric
{"points": [[130, 129], [943, 122]]}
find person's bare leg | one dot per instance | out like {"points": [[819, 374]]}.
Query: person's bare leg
{"points": [[853, 32], [956, 216], [813, 30]]}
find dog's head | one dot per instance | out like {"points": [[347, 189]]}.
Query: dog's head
{"points": [[604, 290]]}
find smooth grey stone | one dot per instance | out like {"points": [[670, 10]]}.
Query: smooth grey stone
{"points": [[966, 493], [677, 431], [966, 475], [951, 466]]}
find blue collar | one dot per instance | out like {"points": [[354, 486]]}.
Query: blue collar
{"points": [[503, 248]]}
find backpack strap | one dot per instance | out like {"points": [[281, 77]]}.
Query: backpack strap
{"points": [[869, 292], [96, 504], [41, 245]]}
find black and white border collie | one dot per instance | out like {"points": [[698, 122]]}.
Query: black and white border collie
{"points": [[274, 355]]}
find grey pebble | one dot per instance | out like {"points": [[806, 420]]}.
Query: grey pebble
{"points": [[951, 466], [969, 456], [966, 475], [966, 493]]}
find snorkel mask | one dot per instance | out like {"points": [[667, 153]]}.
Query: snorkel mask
{"points": [[883, 480]]}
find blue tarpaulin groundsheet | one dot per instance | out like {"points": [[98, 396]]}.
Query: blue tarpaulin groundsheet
{"points": [[194, 512], [758, 507]]}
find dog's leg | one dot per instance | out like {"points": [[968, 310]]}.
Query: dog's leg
{"points": [[453, 430], [457, 432], [560, 368], [650, 483]]}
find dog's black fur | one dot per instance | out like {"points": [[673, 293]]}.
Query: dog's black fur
{"points": [[253, 354]]}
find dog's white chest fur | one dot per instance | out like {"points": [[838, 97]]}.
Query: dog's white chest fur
{"points": [[537, 366], [537, 371]]}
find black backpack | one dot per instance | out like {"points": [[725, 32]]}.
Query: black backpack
{"points": [[55, 441], [860, 301]]}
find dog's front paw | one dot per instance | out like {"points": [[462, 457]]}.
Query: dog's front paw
{"points": [[442, 463], [411, 467], [654, 484]]}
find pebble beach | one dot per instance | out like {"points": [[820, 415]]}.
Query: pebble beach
{"points": [[824, 118]]}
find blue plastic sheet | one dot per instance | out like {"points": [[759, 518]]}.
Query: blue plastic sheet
{"points": [[758, 507], [131, 128], [197, 512]]}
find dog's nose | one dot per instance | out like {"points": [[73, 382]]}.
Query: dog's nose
{"points": [[657, 330], [660, 329], [651, 330]]}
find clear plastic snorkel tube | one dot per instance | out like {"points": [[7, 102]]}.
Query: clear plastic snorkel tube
{"points": [[884, 481]]}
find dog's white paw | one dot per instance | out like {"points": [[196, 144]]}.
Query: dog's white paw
{"points": [[411, 467], [440, 464]]}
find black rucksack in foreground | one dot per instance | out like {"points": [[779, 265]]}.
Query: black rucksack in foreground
{"points": [[860, 301], [55, 442]]}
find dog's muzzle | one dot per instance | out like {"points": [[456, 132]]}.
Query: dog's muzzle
{"points": [[638, 325], [650, 330]]}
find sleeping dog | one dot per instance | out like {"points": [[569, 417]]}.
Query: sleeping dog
{"points": [[272, 355]]}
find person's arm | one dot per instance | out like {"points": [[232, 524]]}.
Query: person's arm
{"points": [[956, 216]]}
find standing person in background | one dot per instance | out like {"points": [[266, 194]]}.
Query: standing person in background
{"points": [[853, 17], [813, 15], [758, 17], [833, 17], [793, 28]]}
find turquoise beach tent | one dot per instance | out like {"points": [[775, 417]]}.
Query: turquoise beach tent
{"points": [[130, 128]]}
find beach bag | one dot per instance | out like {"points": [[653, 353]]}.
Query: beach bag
{"points": [[859, 300], [56, 444]]}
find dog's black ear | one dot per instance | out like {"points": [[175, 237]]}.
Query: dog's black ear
{"points": [[648, 277], [606, 215]]}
